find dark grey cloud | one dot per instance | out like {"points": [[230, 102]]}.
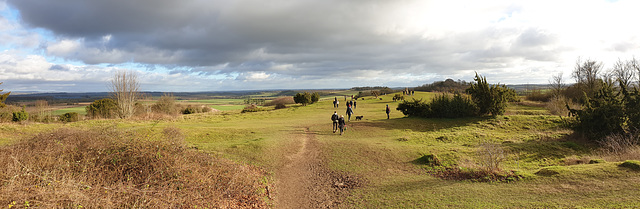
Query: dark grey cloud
{"points": [[256, 40]]}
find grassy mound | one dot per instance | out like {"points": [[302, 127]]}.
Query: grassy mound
{"points": [[108, 169], [551, 171], [631, 164]]}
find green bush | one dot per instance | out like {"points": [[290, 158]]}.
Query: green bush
{"points": [[442, 106], [103, 108], [69, 117], [252, 108], [458, 106], [189, 110], [604, 113], [20, 116], [306, 98], [631, 164], [490, 99], [414, 108]]}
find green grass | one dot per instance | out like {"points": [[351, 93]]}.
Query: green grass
{"points": [[79, 110], [217, 101], [383, 151], [227, 107]]}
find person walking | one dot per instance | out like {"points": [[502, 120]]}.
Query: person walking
{"points": [[334, 119], [341, 124], [349, 112], [354, 104], [388, 111]]}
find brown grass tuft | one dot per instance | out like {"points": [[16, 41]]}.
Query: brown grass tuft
{"points": [[108, 169]]}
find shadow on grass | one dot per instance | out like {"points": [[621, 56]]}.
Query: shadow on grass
{"points": [[551, 151], [421, 124]]}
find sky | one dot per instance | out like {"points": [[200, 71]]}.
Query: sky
{"points": [[224, 45]]}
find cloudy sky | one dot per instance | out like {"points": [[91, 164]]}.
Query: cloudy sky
{"points": [[214, 45]]}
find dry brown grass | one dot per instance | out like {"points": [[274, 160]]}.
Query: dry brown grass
{"points": [[109, 169]]}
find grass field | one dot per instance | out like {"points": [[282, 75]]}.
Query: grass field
{"points": [[80, 110], [384, 151]]}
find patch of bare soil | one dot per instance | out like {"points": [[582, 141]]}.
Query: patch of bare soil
{"points": [[304, 181]]}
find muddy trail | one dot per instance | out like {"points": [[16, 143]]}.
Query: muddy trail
{"points": [[304, 181]]}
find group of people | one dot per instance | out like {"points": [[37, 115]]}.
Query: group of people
{"points": [[339, 122], [351, 103]]}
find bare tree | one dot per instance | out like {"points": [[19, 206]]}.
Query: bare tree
{"points": [[624, 72], [587, 73], [125, 89], [557, 84], [42, 107]]}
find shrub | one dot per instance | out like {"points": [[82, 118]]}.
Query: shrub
{"points": [[3, 97], [490, 99], [414, 108], [189, 110], [280, 106], [458, 106], [166, 105], [114, 169], [603, 114], [596, 161], [491, 156], [538, 95], [20, 116], [6, 113], [631, 164], [103, 108], [558, 105], [306, 98], [69, 117], [442, 106], [398, 97], [252, 108]]}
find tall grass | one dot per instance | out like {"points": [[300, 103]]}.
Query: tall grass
{"points": [[109, 169]]}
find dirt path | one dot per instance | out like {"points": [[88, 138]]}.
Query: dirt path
{"points": [[303, 181]]}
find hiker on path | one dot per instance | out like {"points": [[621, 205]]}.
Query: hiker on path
{"points": [[334, 119], [341, 124], [349, 112], [388, 111], [354, 104]]}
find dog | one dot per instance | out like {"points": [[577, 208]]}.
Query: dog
{"points": [[359, 117]]}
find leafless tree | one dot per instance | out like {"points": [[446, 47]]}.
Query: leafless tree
{"points": [[125, 89], [624, 72], [557, 84], [587, 73], [42, 107]]}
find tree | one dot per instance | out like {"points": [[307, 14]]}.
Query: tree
{"points": [[3, 97], [490, 99], [556, 84], [103, 108], [587, 74], [315, 97], [302, 98], [125, 90]]}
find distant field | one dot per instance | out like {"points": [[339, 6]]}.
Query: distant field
{"points": [[227, 107], [80, 110], [218, 101]]}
